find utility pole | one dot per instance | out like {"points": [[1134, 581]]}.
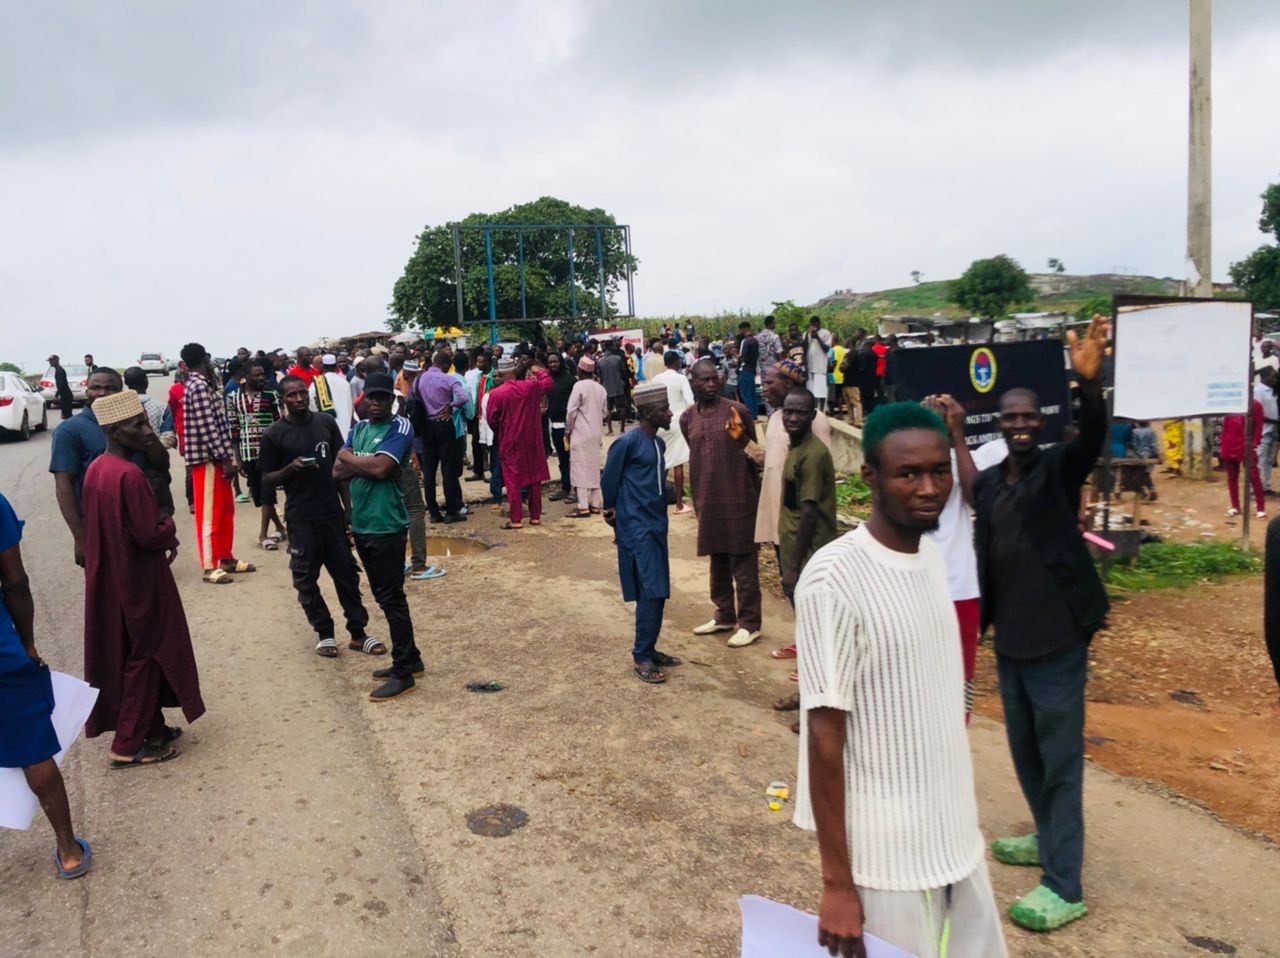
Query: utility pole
{"points": [[1200, 178]]}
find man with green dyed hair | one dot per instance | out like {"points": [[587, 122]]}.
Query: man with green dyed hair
{"points": [[882, 700]]}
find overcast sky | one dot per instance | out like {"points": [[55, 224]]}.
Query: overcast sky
{"points": [[254, 173]]}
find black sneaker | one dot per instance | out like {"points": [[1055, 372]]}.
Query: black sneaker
{"points": [[437, 517], [418, 669], [392, 688], [454, 517]]}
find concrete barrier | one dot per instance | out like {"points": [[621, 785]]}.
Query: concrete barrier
{"points": [[846, 446]]}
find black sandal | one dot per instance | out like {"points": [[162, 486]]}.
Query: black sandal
{"points": [[147, 755], [650, 673], [664, 660]]}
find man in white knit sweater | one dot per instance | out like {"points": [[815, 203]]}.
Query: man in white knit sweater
{"points": [[885, 775]]}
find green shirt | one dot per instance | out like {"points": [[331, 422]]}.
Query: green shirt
{"points": [[808, 476], [377, 505]]}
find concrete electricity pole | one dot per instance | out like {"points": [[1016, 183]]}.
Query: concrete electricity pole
{"points": [[1200, 177]]}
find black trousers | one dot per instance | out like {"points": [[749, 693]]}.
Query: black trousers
{"points": [[66, 403], [562, 455], [322, 544], [439, 450], [383, 559], [478, 448]]}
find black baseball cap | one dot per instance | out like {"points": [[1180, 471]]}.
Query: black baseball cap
{"points": [[379, 383]]}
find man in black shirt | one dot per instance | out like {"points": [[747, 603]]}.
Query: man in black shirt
{"points": [[66, 400], [298, 454], [1041, 592], [748, 363], [613, 373]]}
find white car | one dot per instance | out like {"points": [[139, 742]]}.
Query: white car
{"points": [[22, 408], [77, 379], [153, 364]]}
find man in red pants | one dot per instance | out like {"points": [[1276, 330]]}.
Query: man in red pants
{"points": [[213, 462]]}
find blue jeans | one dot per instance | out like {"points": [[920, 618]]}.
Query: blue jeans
{"points": [[747, 387], [1044, 721], [648, 625]]}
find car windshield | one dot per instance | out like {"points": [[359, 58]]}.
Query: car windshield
{"points": [[147, 356], [73, 372]]}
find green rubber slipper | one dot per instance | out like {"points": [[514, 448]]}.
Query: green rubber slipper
{"points": [[1023, 850], [1042, 909]]}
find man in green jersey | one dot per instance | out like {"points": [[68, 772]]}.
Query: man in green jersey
{"points": [[376, 451]]}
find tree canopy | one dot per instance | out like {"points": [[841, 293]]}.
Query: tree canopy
{"points": [[425, 294], [990, 286], [1258, 274]]}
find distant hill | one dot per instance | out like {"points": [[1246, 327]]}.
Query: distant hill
{"points": [[1054, 291]]}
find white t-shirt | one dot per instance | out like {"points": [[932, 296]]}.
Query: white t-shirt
{"points": [[878, 639], [954, 535], [816, 358]]}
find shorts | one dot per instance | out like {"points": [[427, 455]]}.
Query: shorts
{"points": [[26, 716], [261, 496]]}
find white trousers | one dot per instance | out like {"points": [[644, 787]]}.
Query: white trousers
{"points": [[914, 920]]}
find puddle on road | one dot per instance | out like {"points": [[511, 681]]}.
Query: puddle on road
{"points": [[444, 546]]}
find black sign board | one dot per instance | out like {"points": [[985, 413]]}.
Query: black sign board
{"points": [[977, 376]]}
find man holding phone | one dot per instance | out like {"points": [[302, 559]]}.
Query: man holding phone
{"points": [[298, 454]]}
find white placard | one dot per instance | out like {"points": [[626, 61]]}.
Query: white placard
{"points": [[1175, 360], [774, 930], [72, 702]]}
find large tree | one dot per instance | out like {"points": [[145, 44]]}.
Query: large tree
{"points": [[425, 295], [1258, 274], [990, 286]]}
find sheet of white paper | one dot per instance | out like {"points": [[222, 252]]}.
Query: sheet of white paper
{"points": [[72, 702], [1182, 359], [773, 930]]}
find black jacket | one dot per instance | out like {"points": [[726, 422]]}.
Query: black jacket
{"points": [[1056, 476]]}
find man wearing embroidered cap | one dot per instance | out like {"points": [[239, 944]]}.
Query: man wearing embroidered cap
{"points": [[330, 393], [137, 649], [635, 499], [583, 431]]}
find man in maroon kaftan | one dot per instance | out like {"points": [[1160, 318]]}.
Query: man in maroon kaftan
{"points": [[515, 414], [137, 649]]}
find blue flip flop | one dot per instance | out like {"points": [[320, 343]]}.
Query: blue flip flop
{"points": [[79, 869], [431, 572]]}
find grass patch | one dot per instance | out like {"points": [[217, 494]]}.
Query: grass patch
{"points": [[852, 494], [1169, 565]]}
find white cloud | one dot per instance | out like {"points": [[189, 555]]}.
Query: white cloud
{"points": [[277, 199]]}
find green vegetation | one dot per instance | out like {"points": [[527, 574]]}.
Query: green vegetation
{"points": [[852, 492], [989, 287], [1258, 274], [425, 295], [1169, 565]]}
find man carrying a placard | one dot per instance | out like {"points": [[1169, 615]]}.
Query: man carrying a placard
{"points": [[1041, 592]]}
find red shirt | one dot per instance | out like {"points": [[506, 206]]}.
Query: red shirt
{"points": [[307, 374], [1231, 445], [881, 352], [176, 392]]}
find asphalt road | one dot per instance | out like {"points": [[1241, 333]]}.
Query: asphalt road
{"points": [[276, 831]]}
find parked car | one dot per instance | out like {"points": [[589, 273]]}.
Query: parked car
{"points": [[22, 409], [153, 364], [77, 379]]}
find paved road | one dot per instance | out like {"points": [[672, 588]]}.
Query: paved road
{"points": [[276, 831]]}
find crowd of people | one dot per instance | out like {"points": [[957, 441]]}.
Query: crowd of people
{"points": [[888, 616]]}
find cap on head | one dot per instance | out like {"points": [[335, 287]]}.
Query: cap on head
{"points": [[649, 393], [329, 359], [586, 365], [117, 407], [791, 370], [410, 366], [506, 364], [379, 383]]}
